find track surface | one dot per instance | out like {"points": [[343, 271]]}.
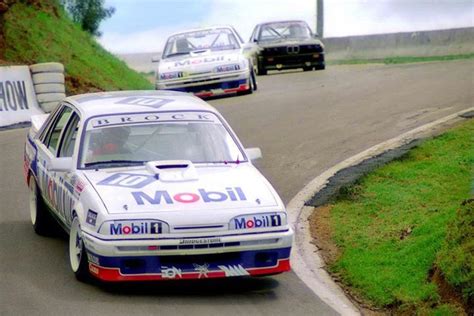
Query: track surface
{"points": [[304, 123]]}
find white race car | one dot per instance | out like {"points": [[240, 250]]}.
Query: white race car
{"points": [[206, 62], [152, 186]]}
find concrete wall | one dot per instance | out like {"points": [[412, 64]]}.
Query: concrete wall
{"points": [[425, 43]]}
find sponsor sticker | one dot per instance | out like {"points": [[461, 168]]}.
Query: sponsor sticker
{"points": [[200, 241], [171, 272], [91, 217], [256, 221], [137, 227], [234, 270], [202, 269], [230, 194]]}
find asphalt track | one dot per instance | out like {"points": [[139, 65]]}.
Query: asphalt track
{"points": [[304, 124]]}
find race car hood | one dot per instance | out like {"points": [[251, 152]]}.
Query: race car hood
{"points": [[199, 62], [206, 188]]}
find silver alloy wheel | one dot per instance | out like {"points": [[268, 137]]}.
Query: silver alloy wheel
{"points": [[75, 245], [33, 200]]}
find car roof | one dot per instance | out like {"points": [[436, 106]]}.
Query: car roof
{"points": [[213, 27], [281, 21], [103, 103]]}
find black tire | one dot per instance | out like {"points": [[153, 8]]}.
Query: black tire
{"points": [[78, 253], [307, 68], [252, 84], [43, 222], [320, 67], [253, 77], [261, 70]]}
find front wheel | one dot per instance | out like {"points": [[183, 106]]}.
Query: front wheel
{"points": [[261, 70], [78, 253], [252, 84]]}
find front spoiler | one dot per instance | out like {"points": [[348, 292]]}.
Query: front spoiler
{"points": [[150, 268]]}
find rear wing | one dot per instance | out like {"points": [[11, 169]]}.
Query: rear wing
{"points": [[37, 121]]}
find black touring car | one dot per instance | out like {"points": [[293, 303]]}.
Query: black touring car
{"points": [[287, 45]]}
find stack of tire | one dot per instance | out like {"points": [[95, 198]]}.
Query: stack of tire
{"points": [[48, 80]]}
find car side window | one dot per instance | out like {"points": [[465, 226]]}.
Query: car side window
{"points": [[51, 140], [66, 148], [253, 37]]}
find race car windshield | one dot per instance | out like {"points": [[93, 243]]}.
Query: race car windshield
{"points": [[131, 145], [214, 40], [284, 31]]}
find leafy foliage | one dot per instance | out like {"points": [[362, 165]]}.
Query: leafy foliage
{"points": [[88, 13]]}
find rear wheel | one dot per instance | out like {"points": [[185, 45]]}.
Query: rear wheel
{"points": [[42, 221], [307, 68], [77, 252]]}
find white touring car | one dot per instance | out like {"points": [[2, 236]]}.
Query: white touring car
{"points": [[206, 62], [152, 186]]}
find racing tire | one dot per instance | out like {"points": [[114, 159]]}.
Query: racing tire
{"points": [[41, 219], [252, 85], [48, 107], [48, 77], [78, 253], [50, 88], [50, 97], [253, 77], [320, 67], [262, 71], [47, 67]]}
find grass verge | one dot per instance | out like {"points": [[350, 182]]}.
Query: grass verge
{"points": [[389, 227], [44, 33], [400, 59]]}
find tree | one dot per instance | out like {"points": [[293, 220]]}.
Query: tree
{"points": [[88, 13]]}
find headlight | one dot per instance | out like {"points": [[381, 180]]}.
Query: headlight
{"points": [[134, 227], [224, 68], [171, 75], [263, 220]]}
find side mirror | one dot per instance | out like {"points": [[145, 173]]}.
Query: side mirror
{"points": [[155, 59], [61, 164], [253, 153]]}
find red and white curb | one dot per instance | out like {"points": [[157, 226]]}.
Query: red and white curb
{"points": [[305, 258]]}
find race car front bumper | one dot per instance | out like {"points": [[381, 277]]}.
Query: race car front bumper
{"points": [[207, 85], [224, 256]]}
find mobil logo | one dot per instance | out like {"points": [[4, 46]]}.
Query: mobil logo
{"points": [[256, 221], [201, 195], [135, 228], [196, 61]]}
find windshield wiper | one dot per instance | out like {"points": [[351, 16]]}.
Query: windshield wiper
{"points": [[113, 163]]}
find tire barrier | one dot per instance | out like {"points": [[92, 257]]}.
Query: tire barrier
{"points": [[50, 88], [48, 80]]}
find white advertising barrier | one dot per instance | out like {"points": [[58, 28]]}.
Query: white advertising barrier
{"points": [[17, 96]]}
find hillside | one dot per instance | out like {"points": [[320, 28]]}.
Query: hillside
{"points": [[35, 31]]}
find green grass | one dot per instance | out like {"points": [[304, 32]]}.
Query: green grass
{"points": [[400, 59], [46, 34], [391, 224]]}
